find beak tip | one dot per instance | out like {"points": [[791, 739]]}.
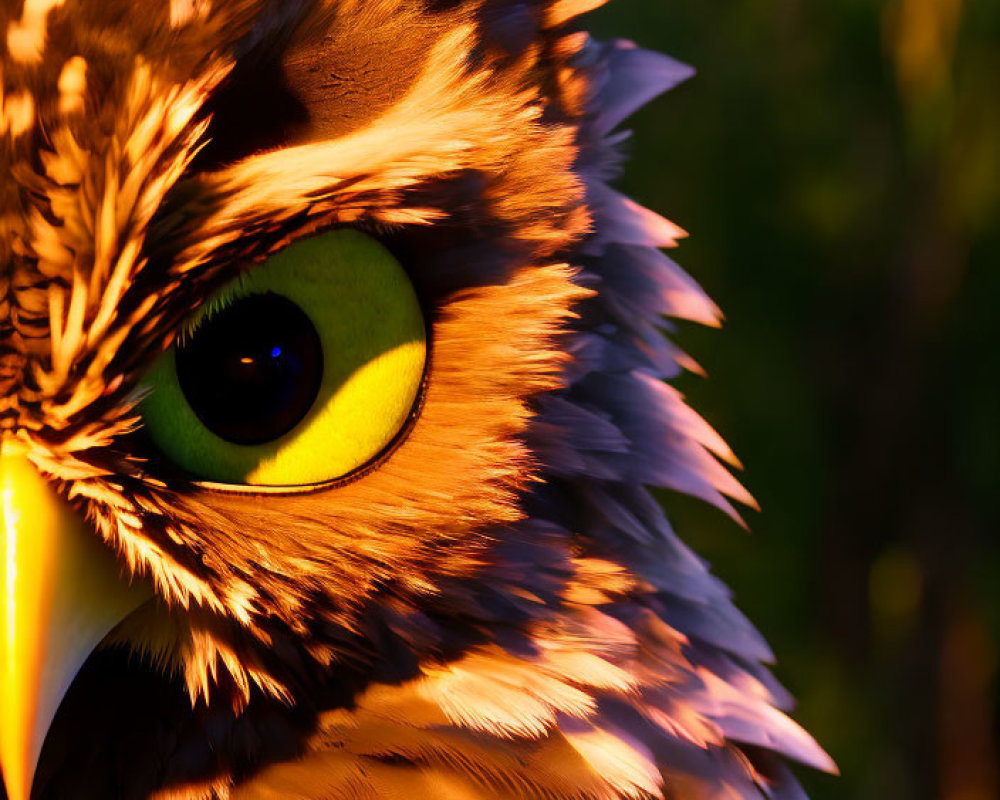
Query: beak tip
{"points": [[17, 779], [61, 592]]}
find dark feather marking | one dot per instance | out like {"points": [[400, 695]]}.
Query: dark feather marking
{"points": [[142, 734]]}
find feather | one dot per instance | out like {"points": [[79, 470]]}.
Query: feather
{"points": [[496, 607]]}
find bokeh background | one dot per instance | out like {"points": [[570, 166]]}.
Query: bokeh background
{"points": [[838, 165]]}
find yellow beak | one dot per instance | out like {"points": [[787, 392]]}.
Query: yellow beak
{"points": [[61, 592]]}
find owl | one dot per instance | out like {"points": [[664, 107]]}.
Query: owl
{"points": [[331, 389]]}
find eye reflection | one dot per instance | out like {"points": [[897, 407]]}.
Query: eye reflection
{"points": [[252, 371]]}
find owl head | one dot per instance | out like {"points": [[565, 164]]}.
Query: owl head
{"points": [[331, 381]]}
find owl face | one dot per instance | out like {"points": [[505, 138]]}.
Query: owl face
{"points": [[329, 360], [279, 297]]}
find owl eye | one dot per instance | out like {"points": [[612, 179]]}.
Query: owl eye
{"points": [[300, 372]]}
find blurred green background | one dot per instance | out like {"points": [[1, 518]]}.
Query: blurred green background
{"points": [[838, 166]]}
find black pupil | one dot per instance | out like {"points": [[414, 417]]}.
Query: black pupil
{"points": [[252, 370]]}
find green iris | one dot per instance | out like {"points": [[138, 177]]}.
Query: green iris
{"points": [[299, 372]]}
